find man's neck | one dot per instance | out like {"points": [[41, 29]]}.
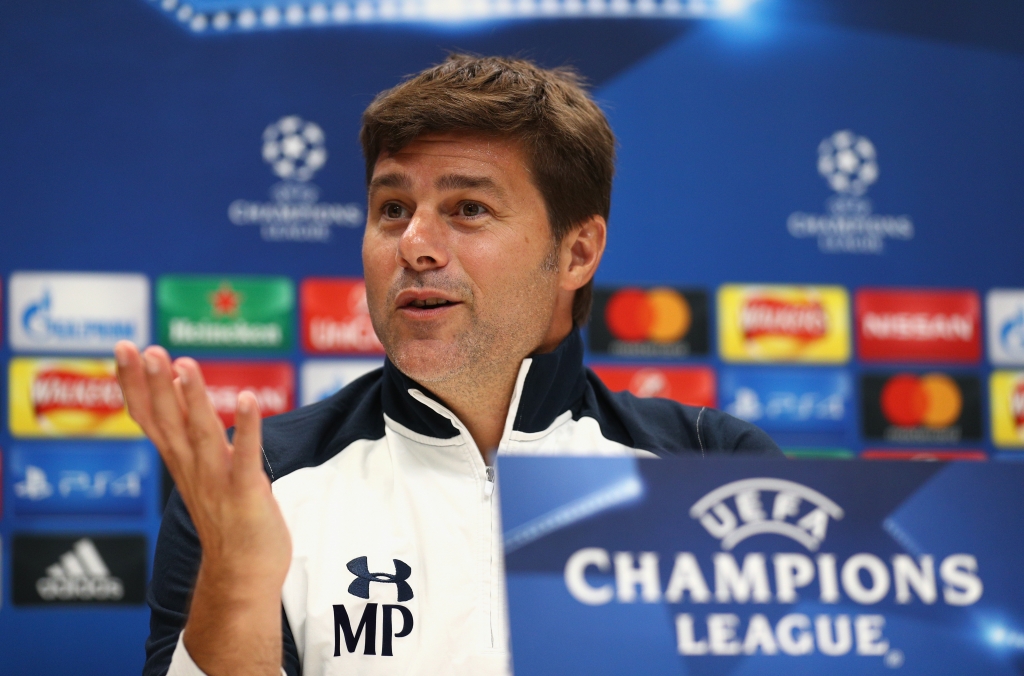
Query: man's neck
{"points": [[482, 399], [482, 406]]}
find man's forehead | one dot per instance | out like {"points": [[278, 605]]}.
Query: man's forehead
{"points": [[479, 152]]}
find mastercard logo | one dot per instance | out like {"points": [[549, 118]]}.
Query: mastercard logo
{"points": [[933, 400], [659, 315]]}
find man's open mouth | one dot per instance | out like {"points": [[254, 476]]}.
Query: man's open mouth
{"points": [[429, 302]]}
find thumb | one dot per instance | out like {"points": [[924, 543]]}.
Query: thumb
{"points": [[247, 459]]}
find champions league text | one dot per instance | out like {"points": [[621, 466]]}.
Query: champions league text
{"points": [[750, 507], [862, 578]]}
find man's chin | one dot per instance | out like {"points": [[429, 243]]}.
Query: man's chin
{"points": [[428, 360]]}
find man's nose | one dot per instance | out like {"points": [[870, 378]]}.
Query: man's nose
{"points": [[424, 242]]}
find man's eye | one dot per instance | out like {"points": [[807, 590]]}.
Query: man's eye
{"points": [[471, 209], [393, 210]]}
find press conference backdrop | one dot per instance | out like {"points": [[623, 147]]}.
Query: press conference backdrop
{"points": [[816, 225]]}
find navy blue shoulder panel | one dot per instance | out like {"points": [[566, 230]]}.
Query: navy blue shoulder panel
{"points": [[312, 435], [666, 427]]}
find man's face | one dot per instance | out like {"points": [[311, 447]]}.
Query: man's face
{"points": [[460, 265]]}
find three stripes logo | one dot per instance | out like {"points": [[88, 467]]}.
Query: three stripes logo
{"points": [[81, 575], [83, 569]]}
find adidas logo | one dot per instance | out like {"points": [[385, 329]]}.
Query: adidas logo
{"points": [[80, 575]]}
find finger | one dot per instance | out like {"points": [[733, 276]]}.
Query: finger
{"points": [[204, 426], [167, 413], [131, 376], [247, 459]]}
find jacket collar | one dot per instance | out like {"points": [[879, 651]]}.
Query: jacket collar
{"points": [[548, 385]]}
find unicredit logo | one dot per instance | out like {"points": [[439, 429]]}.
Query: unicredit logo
{"points": [[804, 320], [661, 315]]}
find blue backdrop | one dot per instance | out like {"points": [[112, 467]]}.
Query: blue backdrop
{"points": [[129, 127]]}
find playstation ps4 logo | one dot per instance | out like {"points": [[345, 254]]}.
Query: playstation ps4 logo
{"points": [[742, 509]]}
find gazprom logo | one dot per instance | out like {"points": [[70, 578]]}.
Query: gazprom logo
{"points": [[742, 509], [37, 321], [77, 312]]}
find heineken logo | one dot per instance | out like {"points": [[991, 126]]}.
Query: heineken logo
{"points": [[225, 301], [252, 313]]}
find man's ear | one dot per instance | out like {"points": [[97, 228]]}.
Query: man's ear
{"points": [[582, 249]]}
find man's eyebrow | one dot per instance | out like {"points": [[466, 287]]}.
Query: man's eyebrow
{"points": [[392, 180], [463, 182]]}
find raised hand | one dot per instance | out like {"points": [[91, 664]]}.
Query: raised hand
{"points": [[234, 622]]}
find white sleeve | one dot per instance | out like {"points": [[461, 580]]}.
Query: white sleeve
{"points": [[182, 664]]}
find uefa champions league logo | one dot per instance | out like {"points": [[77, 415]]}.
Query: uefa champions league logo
{"points": [[295, 149], [849, 164]]}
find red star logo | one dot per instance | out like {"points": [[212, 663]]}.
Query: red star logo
{"points": [[225, 300]]}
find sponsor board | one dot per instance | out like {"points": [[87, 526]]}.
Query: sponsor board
{"points": [[323, 377], [819, 453], [696, 566], [849, 164], [273, 383], [905, 325], [67, 398], [77, 312], [789, 399], [244, 313], [774, 323], [1005, 312], [690, 385], [922, 454], [295, 149], [1006, 402], [79, 569], [921, 408], [649, 322], [334, 318], [60, 479]]}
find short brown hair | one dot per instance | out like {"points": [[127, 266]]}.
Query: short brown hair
{"points": [[567, 139]]}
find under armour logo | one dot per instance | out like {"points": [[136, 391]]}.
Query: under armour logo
{"points": [[361, 585]]}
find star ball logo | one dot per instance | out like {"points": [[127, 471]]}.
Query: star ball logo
{"points": [[747, 510], [849, 164], [924, 408], [651, 322], [295, 149]]}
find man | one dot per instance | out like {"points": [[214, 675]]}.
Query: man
{"points": [[370, 518]]}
